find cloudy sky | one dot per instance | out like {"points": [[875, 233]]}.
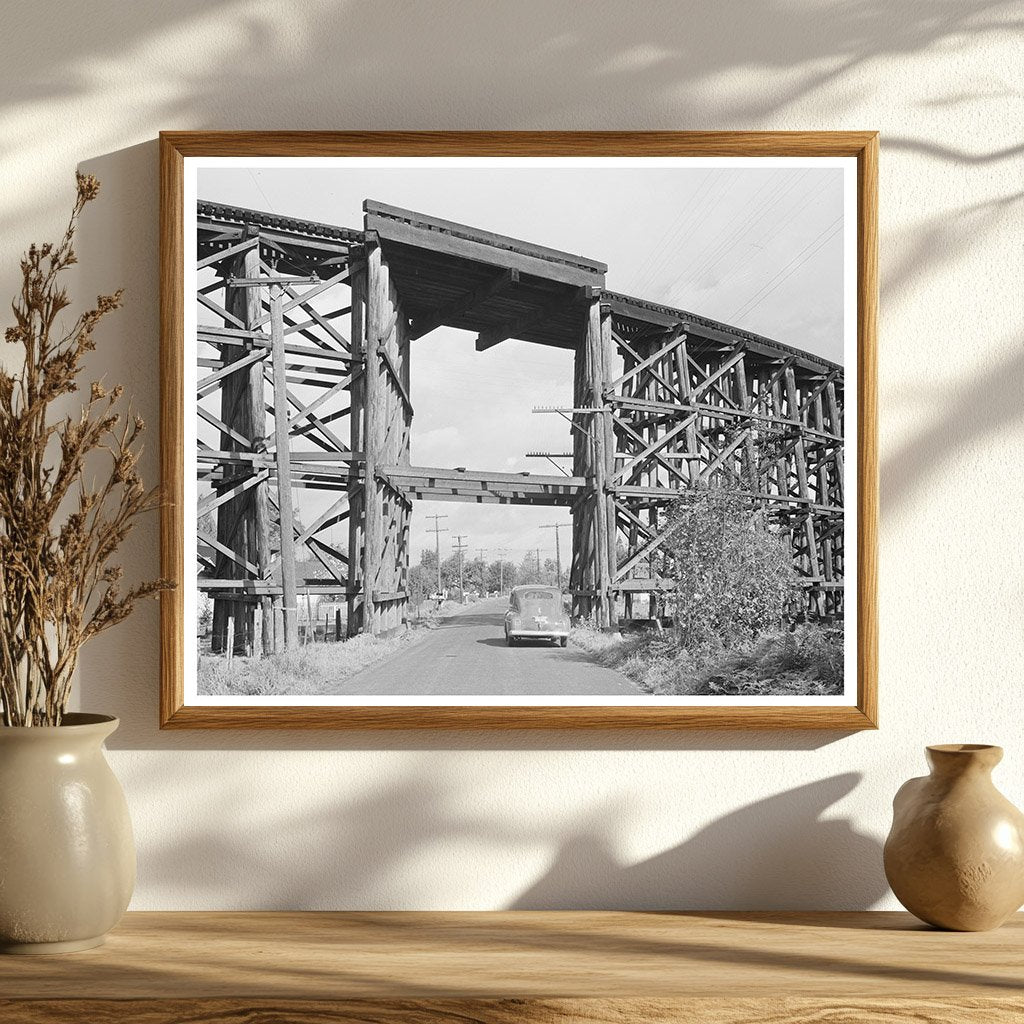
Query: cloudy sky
{"points": [[758, 247]]}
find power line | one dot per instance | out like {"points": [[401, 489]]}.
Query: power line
{"points": [[652, 260], [712, 255], [687, 227], [790, 268], [777, 195]]}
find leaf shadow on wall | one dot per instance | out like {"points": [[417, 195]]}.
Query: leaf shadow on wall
{"points": [[777, 853], [231, 63], [961, 420], [403, 843]]}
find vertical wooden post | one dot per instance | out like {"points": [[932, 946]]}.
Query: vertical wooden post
{"points": [[239, 522], [800, 458], [743, 400], [685, 389], [263, 622], [357, 486], [781, 463], [373, 512], [598, 437], [823, 498], [289, 604], [606, 424], [650, 391], [836, 425], [403, 459], [581, 573]]}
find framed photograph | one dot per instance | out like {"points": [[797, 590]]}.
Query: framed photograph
{"points": [[519, 430]]}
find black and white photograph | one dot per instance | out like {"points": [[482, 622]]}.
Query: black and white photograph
{"points": [[520, 431]]}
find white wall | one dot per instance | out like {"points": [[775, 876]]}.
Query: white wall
{"points": [[745, 820]]}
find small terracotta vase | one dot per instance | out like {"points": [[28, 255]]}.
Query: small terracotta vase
{"points": [[955, 854], [67, 856]]}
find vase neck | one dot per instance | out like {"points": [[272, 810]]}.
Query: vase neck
{"points": [[953, 760]]}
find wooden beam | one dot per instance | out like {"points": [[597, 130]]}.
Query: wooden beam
{"points": [[653, 446], [664, 463], [516, 328], [463, 304], [396, 378], [526, 480], [305, 297], [646, 549], [208, 384], [217, 498], [676, 338], [219, 310], [624, 344], [234, 556]]}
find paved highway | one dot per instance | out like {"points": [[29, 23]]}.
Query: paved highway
{"points": [[466, 656]]}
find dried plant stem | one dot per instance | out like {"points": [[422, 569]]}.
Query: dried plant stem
{"points": [[58, 587]]}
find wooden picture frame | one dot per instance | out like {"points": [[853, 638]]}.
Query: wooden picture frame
{"points": [[177, 147]]}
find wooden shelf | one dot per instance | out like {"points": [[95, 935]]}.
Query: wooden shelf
{"points": [[415, 968]]}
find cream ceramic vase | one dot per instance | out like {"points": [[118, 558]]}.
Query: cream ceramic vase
{"points": [[955, 855], [67, 856]]}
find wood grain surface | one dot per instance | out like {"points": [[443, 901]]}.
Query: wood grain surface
{"points": [[524, 966], [176, 146], [516, 1011]]}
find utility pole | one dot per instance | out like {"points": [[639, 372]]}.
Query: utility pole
{"points": [[438, 530], [460, 547], [480, 552], [538, 566], [501, 571], [558, 548]]}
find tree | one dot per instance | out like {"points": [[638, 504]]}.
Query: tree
{"points": [[501, 576], [421, 583], [450, 572], [475, 573], [527, 570], [733, 574]]}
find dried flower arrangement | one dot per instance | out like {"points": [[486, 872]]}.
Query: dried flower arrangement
{"points": [[58, 588]]}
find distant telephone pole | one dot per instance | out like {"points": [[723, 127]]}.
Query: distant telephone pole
{"points": [[437, 531], [558, 548], [480, 552], [501, 571], [460, 547], [539, 580]]}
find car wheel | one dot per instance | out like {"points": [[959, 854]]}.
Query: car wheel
{"points": [[509, 642], [563, 641]]}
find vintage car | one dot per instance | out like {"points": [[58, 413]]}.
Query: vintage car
{"points": [[536, 612]]}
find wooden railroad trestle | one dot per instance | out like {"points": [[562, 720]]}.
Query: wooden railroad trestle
{"points": [[303, 326]]}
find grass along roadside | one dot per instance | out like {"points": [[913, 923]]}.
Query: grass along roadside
{"points": [[807, 661], [316, 669]]}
